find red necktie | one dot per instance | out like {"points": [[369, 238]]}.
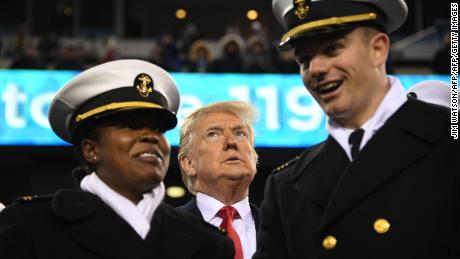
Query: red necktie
{"points": [[228, 213]]}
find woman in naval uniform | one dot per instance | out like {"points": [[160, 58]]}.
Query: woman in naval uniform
{"points": [[115, 116]]}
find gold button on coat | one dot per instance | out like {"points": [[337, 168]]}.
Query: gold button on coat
{"points": [[329, 242], [381, 226]]}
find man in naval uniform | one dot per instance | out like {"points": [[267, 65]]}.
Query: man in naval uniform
{"points": [[386, 181]]}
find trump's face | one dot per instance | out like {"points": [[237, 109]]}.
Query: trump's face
{"points": [[222, 157]]}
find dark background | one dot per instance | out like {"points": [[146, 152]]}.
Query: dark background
{"points": [[149, 18], [43, 170]]}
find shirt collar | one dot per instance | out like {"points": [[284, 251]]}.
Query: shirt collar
{"points": [[209, 206], [393, 100]]}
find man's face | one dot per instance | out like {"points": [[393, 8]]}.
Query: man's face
{"points": [[133, 155], [222, 158], [342, 74]]}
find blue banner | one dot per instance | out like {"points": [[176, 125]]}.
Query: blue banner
{"points": [[288, 115]]}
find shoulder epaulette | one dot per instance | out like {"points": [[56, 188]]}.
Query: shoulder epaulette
{"points": [[285, 165], [31, 198]]}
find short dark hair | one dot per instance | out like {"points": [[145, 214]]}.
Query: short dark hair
{"points": [[88, 131], [369, 32]]}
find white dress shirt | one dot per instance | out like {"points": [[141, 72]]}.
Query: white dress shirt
{"points": [[244, 225], [393, 100], [137, 216]]}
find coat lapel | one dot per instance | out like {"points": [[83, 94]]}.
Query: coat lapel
{"points": [[321, 171], [172, 235], [97, 227], [400, 142], [192, 208], [255, 215]]}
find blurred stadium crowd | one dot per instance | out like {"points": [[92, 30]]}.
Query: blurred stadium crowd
{"points": [[77, 34], [187, 52]]}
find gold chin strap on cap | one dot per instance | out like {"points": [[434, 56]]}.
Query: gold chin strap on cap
{"points": [[325, 22], [114, 106]]}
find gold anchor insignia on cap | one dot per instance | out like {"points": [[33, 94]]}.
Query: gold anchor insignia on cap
{"points": [[301, 9], [144, 87]]}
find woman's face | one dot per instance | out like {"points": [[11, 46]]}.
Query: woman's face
{"points": [[131, 154]]}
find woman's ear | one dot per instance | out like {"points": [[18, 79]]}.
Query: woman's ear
{"points": [[187, 164], [89, 149], [380, 47]]}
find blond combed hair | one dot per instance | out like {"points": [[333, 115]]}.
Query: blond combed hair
{"points": [[243, 110]]}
